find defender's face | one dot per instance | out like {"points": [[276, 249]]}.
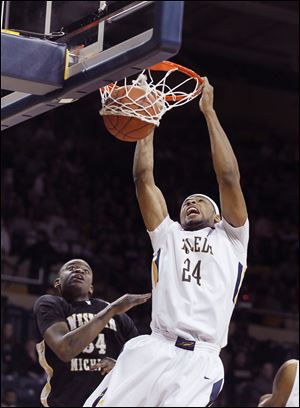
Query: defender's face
{"points": [[76, 277], [196, 212]]}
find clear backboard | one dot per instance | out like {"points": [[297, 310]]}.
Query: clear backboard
{"points": [[106, 41]]}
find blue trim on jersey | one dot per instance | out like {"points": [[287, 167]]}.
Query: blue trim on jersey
{"points": [[238, 281], [215, 391], [99, 398], [157, 263]]}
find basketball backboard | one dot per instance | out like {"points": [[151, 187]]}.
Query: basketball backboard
{"points": [[106, 41]]}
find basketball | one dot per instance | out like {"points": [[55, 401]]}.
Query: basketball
{"points": [[126, 128]]}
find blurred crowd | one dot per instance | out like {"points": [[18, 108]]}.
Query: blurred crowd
{"points": [[67, 191]]}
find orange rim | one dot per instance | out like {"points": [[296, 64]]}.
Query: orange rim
{"points": [[167, 66]]}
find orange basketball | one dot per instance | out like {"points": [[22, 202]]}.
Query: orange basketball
{"points": [[131, 129]]}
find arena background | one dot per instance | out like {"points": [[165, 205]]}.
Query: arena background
{"points": [[67, 191]]}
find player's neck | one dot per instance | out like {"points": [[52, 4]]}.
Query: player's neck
{"points": [[80, 298], [197, 227]]}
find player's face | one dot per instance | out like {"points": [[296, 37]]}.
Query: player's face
{"points": [[76, 278], [196, 212]]}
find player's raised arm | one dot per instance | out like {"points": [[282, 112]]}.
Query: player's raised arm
{"points": [[151, 201], [67, 344], [224, 161]]}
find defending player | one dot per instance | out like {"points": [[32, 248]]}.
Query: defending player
{"points": [[285, 391], [198, 268], [80, 336]]}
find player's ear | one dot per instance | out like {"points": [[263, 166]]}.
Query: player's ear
{"points": [[217, 218], [57, 282], [91, 290]]}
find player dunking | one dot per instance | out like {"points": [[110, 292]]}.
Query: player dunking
{"points": [[285, 391], [198, 268], [80, 336]]}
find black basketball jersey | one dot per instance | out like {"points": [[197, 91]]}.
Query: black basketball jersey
{"points": [[69, 384]]}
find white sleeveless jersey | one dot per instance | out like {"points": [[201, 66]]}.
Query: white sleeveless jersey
{"points": [[196, 276], [293, 400]]}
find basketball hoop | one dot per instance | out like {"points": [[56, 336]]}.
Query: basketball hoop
{"points": [[154, 95]]}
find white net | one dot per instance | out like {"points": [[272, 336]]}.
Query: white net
{"points": [[154, 100]]}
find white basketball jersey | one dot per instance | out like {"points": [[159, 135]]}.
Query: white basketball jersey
{"points": [[196, 276], [293, 400]]}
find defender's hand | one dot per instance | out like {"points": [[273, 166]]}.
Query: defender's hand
{"points": [[128, 301], [106, 365], [207, 97]]}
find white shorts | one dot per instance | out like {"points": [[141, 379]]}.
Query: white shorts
{"points": [[152, 372]]}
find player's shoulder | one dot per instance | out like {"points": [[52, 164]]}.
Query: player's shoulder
{"points": [[234, 234], [48, 300], [224, 224], [165, 225], [171, 227]]}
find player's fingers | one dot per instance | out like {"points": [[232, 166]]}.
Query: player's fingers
{"points": [[94, 367], [103, 371], [104, 364], [107, 362], [137, 299], [106, 368], [205, 81], [144, 296]]}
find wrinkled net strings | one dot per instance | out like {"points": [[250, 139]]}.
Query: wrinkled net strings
{"points": [[157, 99]]}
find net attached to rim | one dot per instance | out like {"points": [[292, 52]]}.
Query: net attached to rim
{"points": [[156, 98]]}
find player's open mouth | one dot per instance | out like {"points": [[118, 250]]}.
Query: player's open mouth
{"points": [[77, 278], [192, 210]]}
